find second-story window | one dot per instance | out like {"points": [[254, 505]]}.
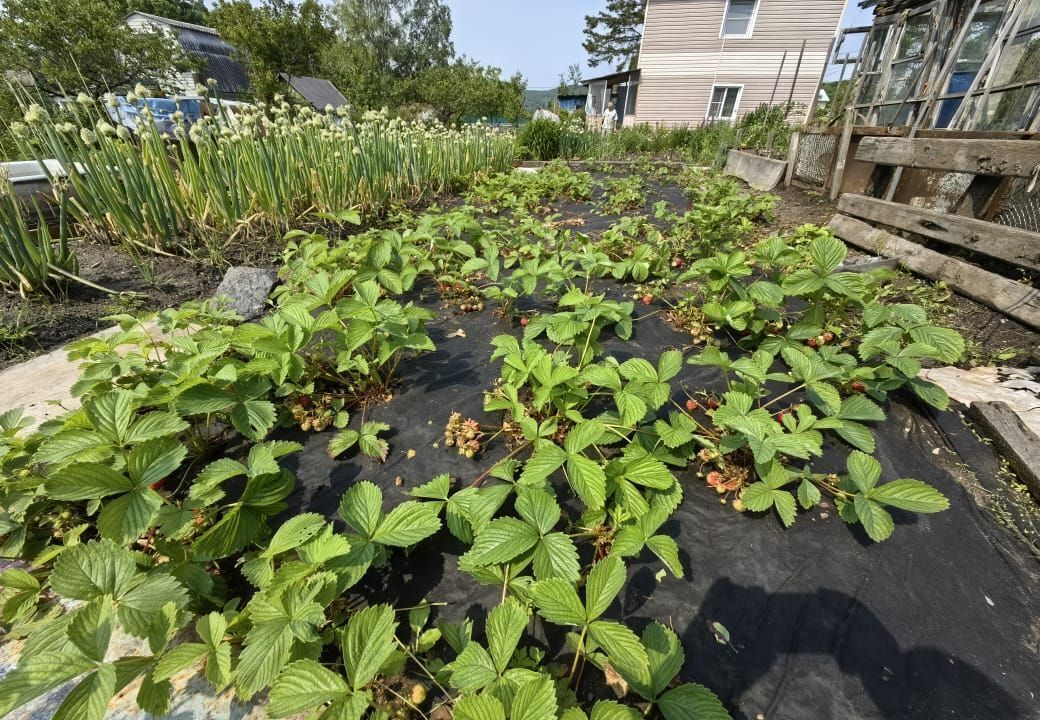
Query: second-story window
{"points": [[739, 19]]}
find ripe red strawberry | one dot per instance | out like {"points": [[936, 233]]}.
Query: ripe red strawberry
{"points": [[715, 478], [647, 299], [828, 337], [858, 387], [713, 404], [692, 405], [158, 484], [524, 321], [813, 342], [781, 415]]}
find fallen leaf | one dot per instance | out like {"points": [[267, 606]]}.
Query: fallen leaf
{"points": [[460, 333], [614, 681], [398, 481], [411, 454], [721, 633]]}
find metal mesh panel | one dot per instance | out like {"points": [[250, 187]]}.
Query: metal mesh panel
{"points": [[815, 156], [1021, 208]]}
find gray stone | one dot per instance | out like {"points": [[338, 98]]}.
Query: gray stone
{"points": [[248, 289]]}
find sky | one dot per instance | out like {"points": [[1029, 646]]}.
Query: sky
{"points": [[542, 38]]}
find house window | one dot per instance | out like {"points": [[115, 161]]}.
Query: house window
{"points": [[724, 102], [739, 19]]}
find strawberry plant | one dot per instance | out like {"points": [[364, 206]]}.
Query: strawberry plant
{"points": [[158, 509]]}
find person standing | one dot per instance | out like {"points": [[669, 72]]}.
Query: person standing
{"points": [[610, 118]]}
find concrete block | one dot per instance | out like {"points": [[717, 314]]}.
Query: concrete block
{"points": [[759, 172]]}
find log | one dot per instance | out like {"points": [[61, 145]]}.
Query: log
{"points": [[1008, 158], [1016, 442], [1018, 247], [1017, 301]]}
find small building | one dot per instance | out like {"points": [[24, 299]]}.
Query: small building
{"points": [[714, 60], [212, 57], [317, 92], [620, 88], [572, 98], [572, 102]]}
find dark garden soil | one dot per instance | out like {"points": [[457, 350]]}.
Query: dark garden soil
{"points": [[34, 326], [941, 620]]}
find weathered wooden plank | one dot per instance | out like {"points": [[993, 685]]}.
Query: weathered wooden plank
{"points": [[1009, 158], [1016, 300], [1016, 442], [1019, 247]]}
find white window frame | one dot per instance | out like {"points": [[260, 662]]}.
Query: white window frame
{"points": [[750, 27], [736, 105]]}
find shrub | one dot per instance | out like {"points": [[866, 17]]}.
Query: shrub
{"points": [[540, 140]]}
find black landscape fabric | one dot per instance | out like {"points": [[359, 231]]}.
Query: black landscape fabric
{"points": [[939, 621]]}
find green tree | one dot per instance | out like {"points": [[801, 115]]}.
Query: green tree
{"points": [[384, 45], [466, 89], [569, 80], [71, 45], [273, 37], [406, 36], [354, 68], [613, 35], [192, 11]]}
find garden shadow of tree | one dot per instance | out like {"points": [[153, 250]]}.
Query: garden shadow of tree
{"points": [[915, 684]]}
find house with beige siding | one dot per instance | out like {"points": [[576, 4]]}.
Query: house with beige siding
{"points": [[714, 60]]}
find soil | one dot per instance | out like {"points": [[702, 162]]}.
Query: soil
{"points": [[29, 327]]}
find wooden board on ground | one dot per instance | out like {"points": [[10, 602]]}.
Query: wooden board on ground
{"points": [[1018, 247], [1016, 442], [1016, 300], [1008, 158]]}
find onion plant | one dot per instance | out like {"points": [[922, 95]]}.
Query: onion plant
{"points": [[31, 259], [254, 174]]}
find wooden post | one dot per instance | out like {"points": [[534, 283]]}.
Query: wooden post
{"points": [[819, 84], [794, 82], [783, 61], [792, 157], [842, 153]]}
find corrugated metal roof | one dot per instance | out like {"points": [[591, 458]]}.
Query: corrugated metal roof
{"points": [[316, 91], [622, 76], [175, 23], [231, 76], [196, 42], [205, 43]]}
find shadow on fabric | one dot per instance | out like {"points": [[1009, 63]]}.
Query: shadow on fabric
{"points": [[768, 628]]}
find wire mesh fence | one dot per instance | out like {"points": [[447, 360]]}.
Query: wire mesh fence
{"points": [[1021, 208], [815, 158]]}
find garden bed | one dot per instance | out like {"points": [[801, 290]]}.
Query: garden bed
{"points": [[707, 484], [35, 325], [822, 623]]}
